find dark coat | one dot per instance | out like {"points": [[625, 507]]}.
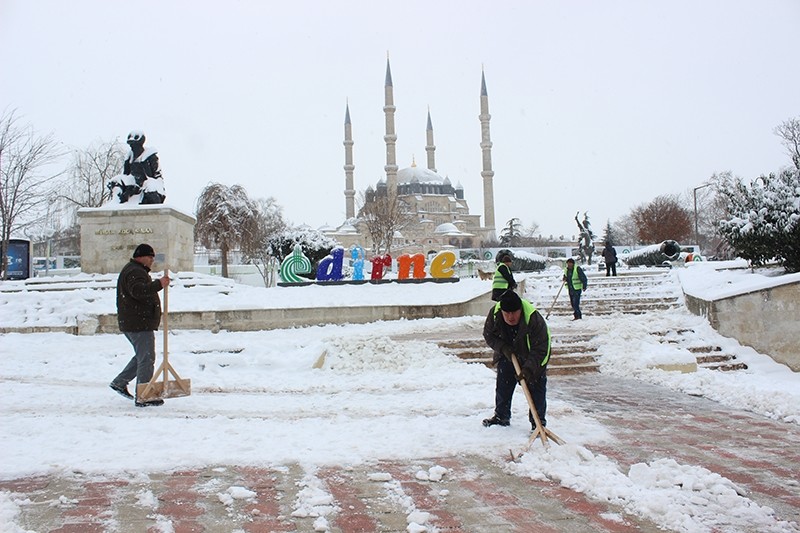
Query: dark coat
{"points": [[138, 304], [500, 338], [609, 255]]}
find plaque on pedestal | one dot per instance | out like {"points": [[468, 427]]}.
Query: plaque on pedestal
{"points": [[110, 234]]}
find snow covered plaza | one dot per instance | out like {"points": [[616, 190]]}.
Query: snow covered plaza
{"points": [[377, 427]]}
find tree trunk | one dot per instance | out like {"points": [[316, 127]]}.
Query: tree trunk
{"points": [[224, 253]]}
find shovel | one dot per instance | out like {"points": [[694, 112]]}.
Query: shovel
{"points": [[540, 431], [165, 388], [554, 301]]}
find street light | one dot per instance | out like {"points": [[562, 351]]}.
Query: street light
{"points": [[696, 237]]}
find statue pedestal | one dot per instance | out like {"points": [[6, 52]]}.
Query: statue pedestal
{"points": [[110, 234]]}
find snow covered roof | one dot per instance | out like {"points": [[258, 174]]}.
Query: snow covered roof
{"points": [[447, 229], [422, 175]]}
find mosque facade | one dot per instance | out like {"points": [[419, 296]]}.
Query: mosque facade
{"points": [[440, 217]]}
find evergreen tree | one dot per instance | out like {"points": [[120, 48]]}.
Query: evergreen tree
{"points": [[763, 220], [610, 235], [511, 234]]}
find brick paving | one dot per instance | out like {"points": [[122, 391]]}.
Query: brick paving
{"points": [[476, 494]]}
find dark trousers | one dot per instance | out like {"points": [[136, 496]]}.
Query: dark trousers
{"points": [[611, 269], [141, 365], [504, 392], [575, 301]]}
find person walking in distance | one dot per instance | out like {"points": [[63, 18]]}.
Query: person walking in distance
{"points": [[515, 326], [610, 258], [138, 316], [503, 278], [575, 278]]}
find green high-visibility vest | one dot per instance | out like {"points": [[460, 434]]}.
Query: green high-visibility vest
{"points": [[576, 279], [498, 281], [527, 310]]}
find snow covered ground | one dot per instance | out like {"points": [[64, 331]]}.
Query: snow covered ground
{"points": [[351, 395]]}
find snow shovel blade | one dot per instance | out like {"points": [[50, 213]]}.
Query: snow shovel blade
{"points": [[174, 389]]}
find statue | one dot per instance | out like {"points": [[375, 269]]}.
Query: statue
{"points": [[585, 239], [141, 176]]}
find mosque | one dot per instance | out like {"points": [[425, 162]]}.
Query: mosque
{"points": [[439, 212]]}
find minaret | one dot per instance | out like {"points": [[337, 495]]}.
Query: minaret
{"points": [[430, 147], [349, 191], [486, 147], [391, 136]]}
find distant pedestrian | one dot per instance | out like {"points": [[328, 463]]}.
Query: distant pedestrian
{"points": [[138, 316], [514, 326], [575, 278], [503, 278], [610, 258]]}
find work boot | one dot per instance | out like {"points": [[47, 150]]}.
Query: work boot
{"points": [[122, 390], [149, 403], [495, 421]]}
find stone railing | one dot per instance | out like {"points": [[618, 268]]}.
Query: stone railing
{"points": [[766, 320]]}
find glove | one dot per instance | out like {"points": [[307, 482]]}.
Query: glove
{"points": [[532, 372], [507, 351]]}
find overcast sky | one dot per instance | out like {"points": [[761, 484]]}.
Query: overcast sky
{"points": [[596, 106]]}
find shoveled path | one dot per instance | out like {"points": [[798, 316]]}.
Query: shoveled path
{"points": [[476, 494]]}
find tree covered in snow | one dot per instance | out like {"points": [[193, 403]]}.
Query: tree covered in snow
{"points": [[227, 219], [763, 221], [316, 245]]}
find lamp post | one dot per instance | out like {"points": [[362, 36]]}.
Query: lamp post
{"points": [[696, 236]]}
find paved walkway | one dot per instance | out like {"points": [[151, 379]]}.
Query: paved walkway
{"points": [[476, 495]]}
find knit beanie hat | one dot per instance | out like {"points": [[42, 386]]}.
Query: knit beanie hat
{"points": [[510, 301], [144, 250]]}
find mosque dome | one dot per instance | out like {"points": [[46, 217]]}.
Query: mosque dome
{"points": [[418, 174], [446, 229]]}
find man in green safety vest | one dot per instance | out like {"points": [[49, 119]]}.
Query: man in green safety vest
{"points": [[575, 278], [503, 278], [514, 326]]}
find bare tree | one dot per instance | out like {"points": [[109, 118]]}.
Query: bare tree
{"points": [[226, 218], [256, 250], [92, 169], [26, 185], [384, 215], [626, 230], [789, 132], [662, 219]]}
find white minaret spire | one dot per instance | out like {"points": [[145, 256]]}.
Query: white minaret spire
{"points": [[486, 147], [430, 147], [349, 190], [391, 136]]}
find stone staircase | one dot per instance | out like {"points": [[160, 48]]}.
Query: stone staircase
{"points": [[575, 352]]}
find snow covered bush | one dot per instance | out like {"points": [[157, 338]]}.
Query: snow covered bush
{"points": [[763, 217], [315, 245]]}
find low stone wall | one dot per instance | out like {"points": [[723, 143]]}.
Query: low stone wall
{"points": [[766, 320], [266, 319]]}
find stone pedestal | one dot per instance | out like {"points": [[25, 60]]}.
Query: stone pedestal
{"points": [[109, 235]]}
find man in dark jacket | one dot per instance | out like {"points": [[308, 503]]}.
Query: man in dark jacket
{"points": [[138, 316], [514, 326], [575, 278], [610, 258], [503, 278]]}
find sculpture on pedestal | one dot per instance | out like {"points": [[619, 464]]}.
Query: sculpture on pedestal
{"points": [[585, 240]]}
